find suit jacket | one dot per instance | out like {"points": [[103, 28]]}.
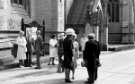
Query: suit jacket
{"points": [[38, 45], [91, 53], [68, 52]]}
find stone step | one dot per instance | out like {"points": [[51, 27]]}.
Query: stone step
{"points": [[120, 47]]}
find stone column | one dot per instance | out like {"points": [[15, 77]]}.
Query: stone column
{"points": [[4, 13], [127, 22], [104, 28], [61, 16], [131, 22]]}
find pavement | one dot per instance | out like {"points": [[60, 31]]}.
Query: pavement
{"points": [[7, 61], [117, 68]]}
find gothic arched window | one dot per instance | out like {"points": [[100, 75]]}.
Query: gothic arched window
{"points": [[113, 10]]}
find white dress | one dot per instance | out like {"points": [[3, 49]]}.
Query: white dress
{"points": [[22, 49], [52, 48]]}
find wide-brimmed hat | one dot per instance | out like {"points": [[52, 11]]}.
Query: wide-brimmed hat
{"points": [[70, 31]]}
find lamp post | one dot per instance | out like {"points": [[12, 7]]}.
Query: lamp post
{"points": [[44, 30]]}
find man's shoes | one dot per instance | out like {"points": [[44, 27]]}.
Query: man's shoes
{"points": [[68, 81], [87, 82], [37, 67], [53, 64]]}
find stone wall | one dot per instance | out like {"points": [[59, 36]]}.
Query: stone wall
{"points": [[45, 10]]}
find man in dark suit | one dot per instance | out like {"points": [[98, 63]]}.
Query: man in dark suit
{"points": [[91, 57], [28, 61], [38, 48]]}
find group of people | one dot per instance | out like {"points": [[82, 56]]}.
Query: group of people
{"points": [[57, 47], [67, 49], [24, 50]]}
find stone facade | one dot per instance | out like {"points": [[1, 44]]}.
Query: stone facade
{"points": [[11, 15], [45, 10]]}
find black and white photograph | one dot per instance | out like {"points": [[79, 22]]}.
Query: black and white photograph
{"points": [[67, 41]]}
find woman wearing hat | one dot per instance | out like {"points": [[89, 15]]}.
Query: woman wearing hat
{"points": [[68, 53], [75, 54]]}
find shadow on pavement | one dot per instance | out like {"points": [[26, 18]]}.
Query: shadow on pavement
{"points": [[55, 81]]}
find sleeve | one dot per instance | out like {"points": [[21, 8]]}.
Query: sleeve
{"points": [[24, 41], [85, 51], [98, 49]]}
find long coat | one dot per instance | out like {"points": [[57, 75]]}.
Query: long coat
{"points": [[91, 53], [68, 52]]}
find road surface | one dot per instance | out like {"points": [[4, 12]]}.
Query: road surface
{"points": [[117, 68]]}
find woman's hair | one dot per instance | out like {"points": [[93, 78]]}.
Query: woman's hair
{"points": [[53, 36], [38, 32]]}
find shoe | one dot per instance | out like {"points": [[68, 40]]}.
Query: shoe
{"points": [[68, 81], [87, 82], [30, 66], [49, 64], [37, 67], [53, 64]]}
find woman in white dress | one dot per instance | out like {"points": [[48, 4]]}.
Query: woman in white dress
{"points": [[21, 52], [52, 49]]}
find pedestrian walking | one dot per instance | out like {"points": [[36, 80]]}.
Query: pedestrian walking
{"points": [[38, 48], [75, 54], [68, 53], [22, 49], [53, 49], [60, 53], [29, 51], [91, 57]]}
